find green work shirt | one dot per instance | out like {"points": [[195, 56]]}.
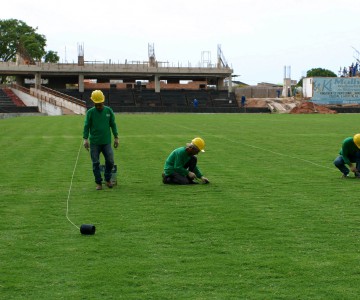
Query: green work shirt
{"points": [[348, 148], [176, 162], [97, 126]]}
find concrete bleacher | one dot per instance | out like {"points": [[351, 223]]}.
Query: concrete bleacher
{"points": [[147, 100], [203, 97], [223, 99], [5, 100], [19, 109], [145, 97], [14, 98], [119, 98], [72, 92], [113, 97], [9, 105], [171, 98]]}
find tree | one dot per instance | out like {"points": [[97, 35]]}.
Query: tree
{"points": [[16, 36], [317, 72], [51, 57]]}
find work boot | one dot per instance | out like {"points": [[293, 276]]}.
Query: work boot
{"points": [[109, 184], [98, 186], [165, 179]]}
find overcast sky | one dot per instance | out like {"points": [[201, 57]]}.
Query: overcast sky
{"points": [[257, 37]]}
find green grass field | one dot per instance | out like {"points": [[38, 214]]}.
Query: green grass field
{"points": [[276, 222]]}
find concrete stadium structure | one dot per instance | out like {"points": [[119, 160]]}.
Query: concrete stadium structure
{"points": [[59, 75], [149, 86]]}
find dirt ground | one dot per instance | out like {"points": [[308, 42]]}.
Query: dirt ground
{"points": [[310, 108], [289, 105]]}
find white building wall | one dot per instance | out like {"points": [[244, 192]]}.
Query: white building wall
{"points": [[307, 87]]}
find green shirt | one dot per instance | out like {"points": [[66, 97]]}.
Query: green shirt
{"points": [[176, 162], [348, 148], [97, 126]]}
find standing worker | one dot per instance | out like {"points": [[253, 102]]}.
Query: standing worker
{"points": [[97, 137], [349, 155], [181, 165], [243, 100]]}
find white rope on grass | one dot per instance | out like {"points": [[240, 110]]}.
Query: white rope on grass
{"points": [[263, 149], [71, 182], [289, 156]]}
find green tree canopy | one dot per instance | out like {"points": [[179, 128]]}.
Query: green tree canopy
{"points": [[51, 57], [317, 72], [17, 36]]}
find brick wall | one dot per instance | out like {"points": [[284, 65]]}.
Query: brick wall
{"points": [[257, 92], [194, 85]]}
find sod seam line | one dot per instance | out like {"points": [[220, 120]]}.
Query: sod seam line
{"points": [[273, 152], [289, 156]]}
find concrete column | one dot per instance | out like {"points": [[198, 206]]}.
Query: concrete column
{"points": [[81, 83], [220, 83], [230, 85], [286, 92], [157, 84], [37, 80], [19, 80]]}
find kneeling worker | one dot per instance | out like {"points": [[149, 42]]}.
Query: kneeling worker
{"points": [[349, 155], [180, 166]]}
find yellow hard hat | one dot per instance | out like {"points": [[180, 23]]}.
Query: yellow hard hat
{"points": [[357, 139], [199, 143], [97, 96]]}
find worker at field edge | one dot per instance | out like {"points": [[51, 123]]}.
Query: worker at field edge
{"points": [[181, 165], [98, 122], [349, 155]]}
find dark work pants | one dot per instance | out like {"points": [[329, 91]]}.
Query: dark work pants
{"points": [[108, 153], [340, 164], [177, 178]]}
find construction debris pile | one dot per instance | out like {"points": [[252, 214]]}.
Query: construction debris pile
{"points": [[310, 108], [289, 105]]}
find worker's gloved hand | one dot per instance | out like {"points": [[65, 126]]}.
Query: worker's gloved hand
{"points": [[353, 169], [116, 143], [86, 144], [191, 175], [205, 180]]}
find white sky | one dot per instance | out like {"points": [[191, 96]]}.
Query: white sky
{"points": [[257, 37]]}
